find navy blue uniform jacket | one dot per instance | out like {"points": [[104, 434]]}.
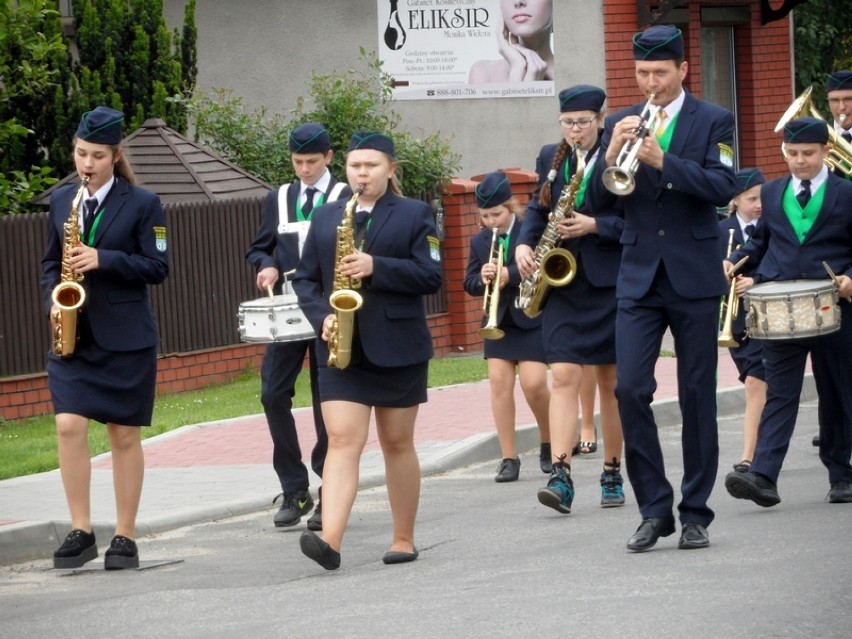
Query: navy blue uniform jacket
{"points": [[480, 249], [280, 250], [784, 257], [671, 216], [599, 254], [117, 303], [391, 323]]}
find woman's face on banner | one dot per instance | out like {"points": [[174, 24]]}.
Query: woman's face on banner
{"points": [[526, 17]]}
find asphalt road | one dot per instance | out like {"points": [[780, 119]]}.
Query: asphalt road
{"points": [[493, 563]]}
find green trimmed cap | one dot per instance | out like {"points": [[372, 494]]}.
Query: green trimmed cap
{"points": [[372, 140], [747, 178], [839, 81], [583, 97], [806, 130], [494, 190], [660, 42], [101, 125], [309, 138]]}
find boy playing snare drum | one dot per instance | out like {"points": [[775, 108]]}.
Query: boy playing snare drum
{"points": [[806, 222]]}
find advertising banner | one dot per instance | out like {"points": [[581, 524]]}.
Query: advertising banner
{"points": [[451, 49]]}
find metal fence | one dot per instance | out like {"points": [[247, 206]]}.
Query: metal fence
{"points": [[196, 307]]}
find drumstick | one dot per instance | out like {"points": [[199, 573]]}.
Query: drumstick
{"points": [[834, 278], [269, 290]]}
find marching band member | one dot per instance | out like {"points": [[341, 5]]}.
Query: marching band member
{"points": [[839, 89], [287, 214], [747, 355], [806, 221], [669, 278], [578, 324], [111, 375], [521, 345], [396, 258]]}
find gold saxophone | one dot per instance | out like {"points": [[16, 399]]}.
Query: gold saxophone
{"points": [[68, 295], [554, 266], [344, 299]]}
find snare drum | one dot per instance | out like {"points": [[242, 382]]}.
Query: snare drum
{"points": [[787, 310], [273, 319]]}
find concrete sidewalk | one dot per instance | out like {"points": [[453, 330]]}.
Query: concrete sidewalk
{"points": [[221, 469]]}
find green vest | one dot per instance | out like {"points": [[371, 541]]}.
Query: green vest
{"points": [[802, 219]]}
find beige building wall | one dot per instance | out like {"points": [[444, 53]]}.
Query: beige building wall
{"points": [[265, 51]]}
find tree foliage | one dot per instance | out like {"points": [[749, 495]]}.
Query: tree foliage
{"points": [[823, 43], [343, 102], [121, 54]]}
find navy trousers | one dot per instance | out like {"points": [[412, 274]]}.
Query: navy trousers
{"points": [[282, 364], [785, 362], [640, 326]]}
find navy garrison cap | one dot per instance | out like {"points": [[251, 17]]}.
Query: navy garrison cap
{"points": [[747, 178], [583, 97], [805, 130], [494, 190], [372, 140], [839, 80], [101, 125], [660, 42], [309, 138]]}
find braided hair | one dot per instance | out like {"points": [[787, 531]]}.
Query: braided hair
{"points": [[544, 194]]}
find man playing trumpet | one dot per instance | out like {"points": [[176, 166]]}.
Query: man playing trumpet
{"points": [[670, 277]]}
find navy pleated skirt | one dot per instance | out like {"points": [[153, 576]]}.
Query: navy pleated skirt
{"points": [[109, 387], [578, 324], [363, 382]]}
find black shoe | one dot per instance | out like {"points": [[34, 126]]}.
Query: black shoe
{"points": [[315, 547], [649, 531], [545, 458], [78, 548], [397, 557], [743, 467], [293, 508], [815, 441], [315, 521], [693, 536], [753, 486], [840, 493], [508, 470], [122, 553]]}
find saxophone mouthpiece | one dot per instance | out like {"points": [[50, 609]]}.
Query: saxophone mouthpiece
{"points": [[359, 189]]}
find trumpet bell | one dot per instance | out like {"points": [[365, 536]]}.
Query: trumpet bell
{"points": [[618, 181], [491, 332]]}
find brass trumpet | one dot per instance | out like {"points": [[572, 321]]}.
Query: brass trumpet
{"points": [[839, 150], [491, 299], [620, 178], [730, 303]]}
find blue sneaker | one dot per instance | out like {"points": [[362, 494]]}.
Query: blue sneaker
{"points": [[612, 491], [559, 492]]}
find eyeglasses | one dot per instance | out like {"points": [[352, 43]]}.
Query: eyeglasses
{"points": [[582, 123]]}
